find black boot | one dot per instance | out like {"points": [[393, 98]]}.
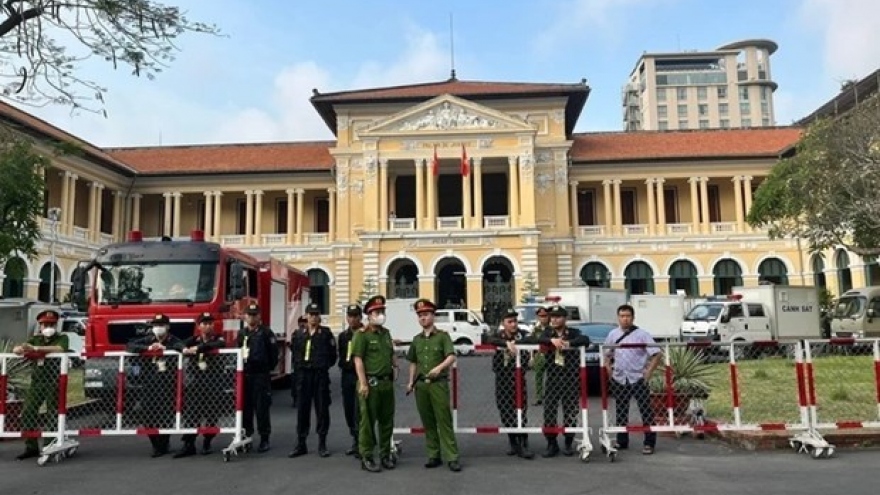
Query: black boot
{"points": [[264, 445], [513, 449], [353, 450], [370, 465], [389, 462], [189, 448], [322, 446], [552, 448], [524, 451], [300, 449], [568, 449], [28, 454], [206, 445]]}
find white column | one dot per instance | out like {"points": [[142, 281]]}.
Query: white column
{"points": [[116, 228], [478, 192], [93, 205], [466, 201], [383, 194], [248, 216], [513, 187], [695, 204], [258, 218], [331, 231], [652, 206], [661, 206], [71, 205], [209, 217], [432, 197], [573, 201], [609, 208], [291, 234], [166, 228], [747, 191], [738, 201], [217, 230], [300, 201], [136, 211], [65, 193], [420, 194], [177, 196], [618, 208], [704, 202]]}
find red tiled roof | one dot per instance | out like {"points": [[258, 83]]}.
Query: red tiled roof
{"points": [[31, 124], [228, 158], [649, 145], [576, 94]]}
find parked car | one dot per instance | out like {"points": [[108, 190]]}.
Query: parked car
{"points": [[597, 332]]}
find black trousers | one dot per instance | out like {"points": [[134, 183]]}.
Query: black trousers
{"points": [[350, 402], [624, 393], [562, 387], [312, 387], [505, 398], [257, 400]]}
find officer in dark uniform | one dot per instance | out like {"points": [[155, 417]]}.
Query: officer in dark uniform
{"points": [[204, 382], [44, 376], [562, 363], [314, 353], [300, 325], [354, 318], [260, 352], [504, 367], [158, 378]]}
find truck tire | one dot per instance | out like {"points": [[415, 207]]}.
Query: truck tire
{"points": [[464, 341]]}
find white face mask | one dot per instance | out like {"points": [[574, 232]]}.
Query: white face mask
{"points": [[379, 319], [47, 331], [159, 331]]}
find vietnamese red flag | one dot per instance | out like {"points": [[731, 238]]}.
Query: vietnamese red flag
{"points": [[465, 164], [435, 165]]}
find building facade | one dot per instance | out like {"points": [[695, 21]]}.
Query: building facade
{"points": [[513, 196], [730, 87]]}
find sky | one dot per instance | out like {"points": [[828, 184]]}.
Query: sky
{"points": [[253, 83]]}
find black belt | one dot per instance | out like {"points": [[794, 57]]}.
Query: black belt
{"points": [[422, 378], [381, 377]]}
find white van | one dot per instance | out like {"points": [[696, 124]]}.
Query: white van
{"points": [[464, 326], [857, 314]]}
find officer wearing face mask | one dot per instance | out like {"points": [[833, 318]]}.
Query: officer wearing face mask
{"points": [[158, 376], [44, 377]]}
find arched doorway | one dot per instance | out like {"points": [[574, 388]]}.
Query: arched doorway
{"points": [[450, 284], [872, 271], [15, 272], [728, 274], [818, 264], [773, 270], [844, 273], [683, 276], [498, 289], [319, 289], [595, 274], [403, 280], [639, 278], [44, 292]]}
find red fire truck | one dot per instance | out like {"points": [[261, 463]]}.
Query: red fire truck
{"points": [[127, 283]]}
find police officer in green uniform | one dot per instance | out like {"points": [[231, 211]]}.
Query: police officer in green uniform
{"points": [[314, 353], [158, 377], [260, 352], [44, 376], [376, 366], [559, 343], [349, 380], [204, 381], [504, 367], [430, 355], [538, 359]]}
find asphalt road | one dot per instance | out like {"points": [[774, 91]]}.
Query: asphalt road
{"points": [[110, 465]]}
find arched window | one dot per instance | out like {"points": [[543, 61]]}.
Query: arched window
{"points": [[728, 274], [773, 270], [595, 274], [844, 273], [15, 272], [639, 278], [683, 276]]}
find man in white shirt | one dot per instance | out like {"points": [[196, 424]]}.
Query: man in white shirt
{"points": [[630, 369]]}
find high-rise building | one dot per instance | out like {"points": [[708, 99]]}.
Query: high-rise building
{"points": [[730, 87]]}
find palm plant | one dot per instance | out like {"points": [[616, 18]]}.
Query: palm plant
{"points": [[691, 374]]}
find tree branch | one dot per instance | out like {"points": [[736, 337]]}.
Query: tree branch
{"points": [[16, 18]]}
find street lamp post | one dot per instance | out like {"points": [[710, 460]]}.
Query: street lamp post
{"points": [[54, 216]]}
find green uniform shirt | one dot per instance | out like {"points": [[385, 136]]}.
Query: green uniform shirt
{"points": [[52, 366], [376, 349], [428, 352]]}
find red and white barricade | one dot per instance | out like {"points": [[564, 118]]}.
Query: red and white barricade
{"points": [[705, 387], [490, 390], [843, 387], [28, 384]]}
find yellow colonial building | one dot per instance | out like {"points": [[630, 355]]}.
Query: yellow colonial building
{"points": [[513, 194]]}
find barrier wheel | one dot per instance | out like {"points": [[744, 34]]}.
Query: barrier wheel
{"points": [[585, 456], [817, 452], [612, 456], [604, 449], [829, 452], [70, 452], [41, 461], [796, 445], [226, 456]]}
